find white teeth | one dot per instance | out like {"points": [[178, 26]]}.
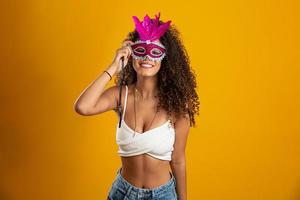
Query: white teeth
{"points": [[146, 65]]}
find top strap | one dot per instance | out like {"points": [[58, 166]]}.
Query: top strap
{"points": [[125, 103]]}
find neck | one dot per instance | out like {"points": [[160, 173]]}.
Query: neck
{"points": [[147, 86]]}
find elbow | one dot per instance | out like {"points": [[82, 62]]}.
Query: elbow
{"points": [[80, 109]]}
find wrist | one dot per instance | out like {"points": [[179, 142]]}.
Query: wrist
{"points": [[111, 70]]}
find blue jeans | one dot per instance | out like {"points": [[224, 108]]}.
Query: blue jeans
{"points": [[122, 189]]}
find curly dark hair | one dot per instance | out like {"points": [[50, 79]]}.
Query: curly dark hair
{"points": [[176, 80]]}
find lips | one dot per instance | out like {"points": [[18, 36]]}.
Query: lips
{"points": [[146, 64]]}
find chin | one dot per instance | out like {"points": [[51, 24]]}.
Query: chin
{"points": [[143, 72]]}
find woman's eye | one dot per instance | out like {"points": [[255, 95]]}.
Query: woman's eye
{"points": [[139, 50], [156, 52]]}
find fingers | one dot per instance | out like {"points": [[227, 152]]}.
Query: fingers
{"points": [[122, 53], [126, 44]]}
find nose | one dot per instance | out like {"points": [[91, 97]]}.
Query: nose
{"points": [[146, 57]]}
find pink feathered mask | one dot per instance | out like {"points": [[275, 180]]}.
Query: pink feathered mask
{"points": [[148, 44]]}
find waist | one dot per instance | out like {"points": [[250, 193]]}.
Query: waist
{"points": [[144, 172]]}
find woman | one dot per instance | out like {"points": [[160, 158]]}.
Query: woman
{"points": [[156, 109]]}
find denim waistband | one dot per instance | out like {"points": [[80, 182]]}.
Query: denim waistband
{"points": [[122, 182]]}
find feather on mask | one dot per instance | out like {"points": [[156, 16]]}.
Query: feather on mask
{"points": [[149, 29]]}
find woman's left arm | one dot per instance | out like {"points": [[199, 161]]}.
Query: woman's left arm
{"points": [[182, 127]]}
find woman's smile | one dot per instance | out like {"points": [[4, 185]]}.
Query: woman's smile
{"points": [[144, 64]]}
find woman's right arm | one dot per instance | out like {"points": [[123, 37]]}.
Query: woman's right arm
{"points": [[93, 99]]}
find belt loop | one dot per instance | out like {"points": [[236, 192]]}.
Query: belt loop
{"points": [[128, 191], [153, 194]]}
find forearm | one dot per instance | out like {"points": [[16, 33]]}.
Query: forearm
{"points": [[88, 98], [179, 171]]}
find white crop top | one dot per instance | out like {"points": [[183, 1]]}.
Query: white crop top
{"points": [[157, 142]]}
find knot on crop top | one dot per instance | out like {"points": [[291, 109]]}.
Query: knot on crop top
{"points": [[157, 142]]}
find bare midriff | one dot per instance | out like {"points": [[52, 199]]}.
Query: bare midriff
{"points": [[145, 171]]}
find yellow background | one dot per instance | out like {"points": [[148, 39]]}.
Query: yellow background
{"points": [[246, 145]]}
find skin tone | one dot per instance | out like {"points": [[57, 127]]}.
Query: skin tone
{"points": [[143, 170]]}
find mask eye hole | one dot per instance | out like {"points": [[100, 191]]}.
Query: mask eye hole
{"points": [[156, 52], [140, 50]]}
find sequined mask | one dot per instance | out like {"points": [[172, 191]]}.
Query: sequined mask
{"points": [[155, 51]]}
